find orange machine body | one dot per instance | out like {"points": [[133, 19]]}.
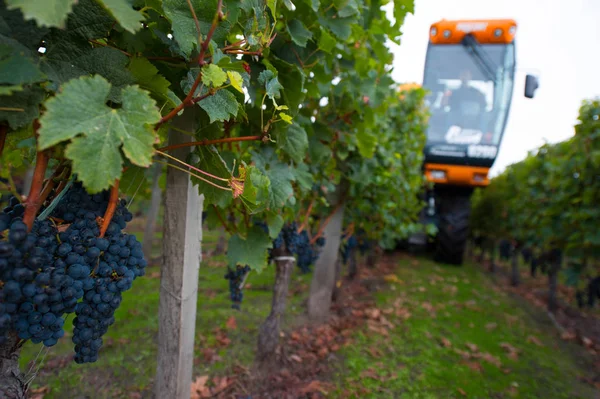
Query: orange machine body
{"points": [[486, 31], [458, 175]]}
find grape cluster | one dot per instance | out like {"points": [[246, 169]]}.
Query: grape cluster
{"points": [[235, 277], [348, 245], [14, 210], [50, 271], [505, 249], [299, 244]]}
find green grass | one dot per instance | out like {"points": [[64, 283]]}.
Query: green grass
{"points": [[467, 309], [410, 363]]}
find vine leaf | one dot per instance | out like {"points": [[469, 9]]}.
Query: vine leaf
{"points": [[124, 13], [268, 79], [24, 105], [293, 141], [274, 223], [213, 76], [236, 80], [298, 32], [146, 75], [45, 13], [221, 106], [280, 176], [184, 26], [79, 113], [251, 251], [366, 142], [326, 41], [16, 68]]}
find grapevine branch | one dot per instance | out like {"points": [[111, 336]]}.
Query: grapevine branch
{"points": [[111, 208], [51, 183], [32, 204], [209, 142], [307, 215], [227, 229], [189, 99], [325, 223]]}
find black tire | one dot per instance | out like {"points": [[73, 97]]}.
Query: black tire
{"points": [[453, 229]]}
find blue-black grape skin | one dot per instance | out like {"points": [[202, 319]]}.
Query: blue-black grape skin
{"points": [[47, 274]]}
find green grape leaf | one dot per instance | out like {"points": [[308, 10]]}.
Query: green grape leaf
{"points": [[184, 26], [221, 106], [303, 176], [21, 108], [236, 80], [292, 80], [293, 141], [89, 20], [97, 132], [207, 158], [268, 79], [213, 76], [256, 194], [298, 32], [251, 251], [124, 13], [280, 176], [148, 78], [274, 223], [45, 13], [285, 117], [16, 68], [366, 142], [326, 41], [272, 4]]}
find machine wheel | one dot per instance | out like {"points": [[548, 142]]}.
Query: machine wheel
{"points": [[453, 229]]}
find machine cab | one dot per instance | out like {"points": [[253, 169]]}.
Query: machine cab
{"points": [[469, 73]]}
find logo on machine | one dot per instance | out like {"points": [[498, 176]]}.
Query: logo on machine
{"points": [[482, 151], [447, 151], [471, 26], [458, 135]]}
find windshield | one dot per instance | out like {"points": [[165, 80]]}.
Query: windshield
{"points": [[466, 106]]}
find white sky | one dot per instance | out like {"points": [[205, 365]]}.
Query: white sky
{"points": [[557, 40]]}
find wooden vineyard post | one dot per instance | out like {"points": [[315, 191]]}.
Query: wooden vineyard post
{"points": [[182, 235], [323, 281]]}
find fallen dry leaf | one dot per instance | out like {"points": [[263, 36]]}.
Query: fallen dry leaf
{"points": [[296, 358], [198, 389], [568, 336], [39, 393], [446, 342], [231, 324], [491, 326], [491, 359], [376, 353], [391, 278], [315, 386], [475, 366], [512, 352], [587, 342], [135, 395], [534, 340], [472, 347], [154, 275], [461, 391]]}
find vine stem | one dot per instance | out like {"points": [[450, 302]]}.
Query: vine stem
{"points": [[192, 167], [170, 165], [205, 43], [325, 223], [227, 229], [3, 134], [111, 208], [210, 142], [306, 216], [32, 203], [50, 184]]}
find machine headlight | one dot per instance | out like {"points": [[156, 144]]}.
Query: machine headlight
{"points": [[498, 32], [479, 178], [447, 33], [437, 174], [433, 31]]}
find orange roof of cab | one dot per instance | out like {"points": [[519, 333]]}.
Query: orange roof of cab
{"points": [[484, 30]]}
